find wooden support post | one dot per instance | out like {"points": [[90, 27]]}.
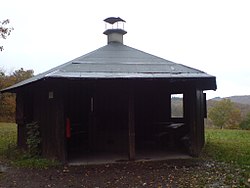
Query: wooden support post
{"points": [[21, 136], [196, 121], [131, 126]]}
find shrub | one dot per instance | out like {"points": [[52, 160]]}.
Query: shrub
{"points": [[33, 139]]}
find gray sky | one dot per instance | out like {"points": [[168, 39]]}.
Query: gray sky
{"points": [[210, 35]]}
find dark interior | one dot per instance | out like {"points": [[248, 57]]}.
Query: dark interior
{"points": [[99, 120], [78, 112], [155, 128]]}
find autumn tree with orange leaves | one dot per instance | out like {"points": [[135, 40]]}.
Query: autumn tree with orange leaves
{"points": [[7, 100]]}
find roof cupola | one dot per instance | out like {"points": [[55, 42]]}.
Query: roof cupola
{"points": [[114, 29]]}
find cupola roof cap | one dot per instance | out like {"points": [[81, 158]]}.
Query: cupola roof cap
{"points": [[112, 20]]}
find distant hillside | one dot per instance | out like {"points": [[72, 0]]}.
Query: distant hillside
{"points": [[241, 102], [244, 99]]}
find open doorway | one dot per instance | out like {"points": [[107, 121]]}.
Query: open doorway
{"points": [[78, 111], [160, 122]]}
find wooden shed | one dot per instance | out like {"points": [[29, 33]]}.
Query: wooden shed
{"points": [[115, 99]]}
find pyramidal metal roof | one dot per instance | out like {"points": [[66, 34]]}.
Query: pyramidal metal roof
{"points": [[117, 61]]}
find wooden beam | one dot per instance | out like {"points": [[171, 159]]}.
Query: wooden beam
{"points": [[131, 126]]}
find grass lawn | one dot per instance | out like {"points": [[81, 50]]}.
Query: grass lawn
{"points": [[8, 149], [8, 137], [232, 146]]}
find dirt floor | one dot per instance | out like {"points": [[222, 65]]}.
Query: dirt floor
{"points": [[170, 173]]}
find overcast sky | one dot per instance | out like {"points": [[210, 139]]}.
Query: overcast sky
{"points": [[210, 35]]}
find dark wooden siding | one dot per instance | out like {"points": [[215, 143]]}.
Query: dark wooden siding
{"points": [[21, 129], [108, 124], [49, 112], [24, 115]]}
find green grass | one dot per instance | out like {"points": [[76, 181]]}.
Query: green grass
{"points": [[231, 146], [33, 162], [8, 137], [9, 151]]}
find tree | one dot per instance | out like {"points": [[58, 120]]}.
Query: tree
{"points": [[4, 30], [20, 75], [245, 124], [224, 114], [7, 100]]}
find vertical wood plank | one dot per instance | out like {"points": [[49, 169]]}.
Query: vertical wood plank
{"points": [[131, 125], [20, 120], [19, 108], [60, 126]]}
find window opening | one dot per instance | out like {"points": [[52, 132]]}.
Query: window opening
{"points": [[177, 106]]}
